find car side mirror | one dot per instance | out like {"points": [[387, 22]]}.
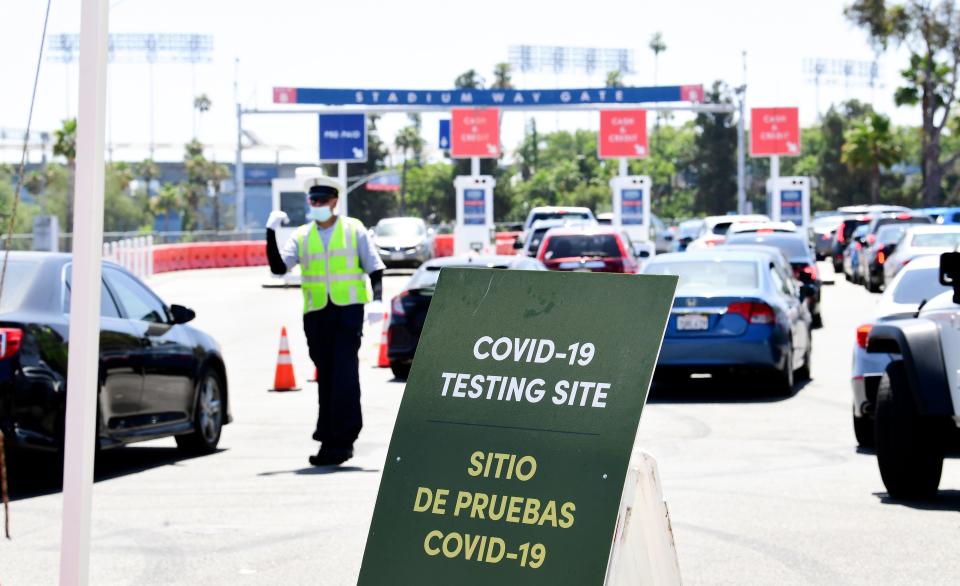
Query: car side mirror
{"points": [[181, 314], [517, 244], [950, 272]]}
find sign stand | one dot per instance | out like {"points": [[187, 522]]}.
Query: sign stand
{"points": [[789, 200], [474, 229], [643, 550]]}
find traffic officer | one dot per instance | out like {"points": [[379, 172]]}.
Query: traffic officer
{"points": [[334, 252]]}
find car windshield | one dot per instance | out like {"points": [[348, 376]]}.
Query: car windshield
{"points": [[400, 228], [559, 216], [697, 277], [918, 285], [904, 220], [722, 227], [582, 245], [890, 234], [936, 240], [18, 279], [792, 247], [826, 223]]}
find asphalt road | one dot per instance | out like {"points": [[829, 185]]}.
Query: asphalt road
{"points": [[761, 490]]}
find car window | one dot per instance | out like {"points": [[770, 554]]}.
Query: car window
{"points": [[956, 217], [535, 239], [559, 216], [917, 285], [400, 228], [721, 228], [779, 283], [19, 277], [136, 300], [602, 245], [108, 306], [890, 234], [936, 240], [792, 247], [709, 276]]}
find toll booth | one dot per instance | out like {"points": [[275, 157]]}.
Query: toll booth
{"points": [[474, 230], [631, 205], [788, 200]]}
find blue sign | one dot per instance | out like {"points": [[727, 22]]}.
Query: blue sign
{"points": [[444, 141], [474, 207], [497, 98], [631, 207], [791, 206], [343, 137]]}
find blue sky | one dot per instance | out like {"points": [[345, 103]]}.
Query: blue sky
{"points": [[419, 45]]}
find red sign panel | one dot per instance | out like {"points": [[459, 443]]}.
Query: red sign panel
{"points": [[623, 134], [284, 95], [691, 93], [474, 133], [774, 131]]}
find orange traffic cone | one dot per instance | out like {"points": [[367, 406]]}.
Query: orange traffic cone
{"points": [[284, 379], [382, 360]]}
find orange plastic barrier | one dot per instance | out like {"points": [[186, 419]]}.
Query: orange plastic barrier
{"points": [[505, 242], [443, 245], [231, 254], [203, 255], [256, 253]]}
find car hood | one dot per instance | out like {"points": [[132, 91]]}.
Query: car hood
{"points": [[398, 241]]}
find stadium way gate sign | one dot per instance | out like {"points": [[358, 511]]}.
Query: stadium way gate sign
{"points": [[512, 442]]}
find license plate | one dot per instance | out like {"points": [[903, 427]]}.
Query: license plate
{"points": [[396, 256], [692, 321]]}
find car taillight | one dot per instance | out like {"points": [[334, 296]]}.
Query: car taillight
{"points": [[754, 312], [10, 342], [871, 238], [808, 272], [881, 257], [840, 237], [613, 265], [863, 332], [904, 217], [396, 307], [856, 246]]}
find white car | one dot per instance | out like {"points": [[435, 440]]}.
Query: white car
{"points": [[914, 285], [714, 230], [918, 396], [766, 227], [919, 240]]}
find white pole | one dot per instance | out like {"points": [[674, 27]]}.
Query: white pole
{"points": [[150, 255], [775, 193], [342, 178], [84, 356], [623, 167], [475, 166]]}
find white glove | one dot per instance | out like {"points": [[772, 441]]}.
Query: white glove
{"points": [[276, 219], [375, 310]]}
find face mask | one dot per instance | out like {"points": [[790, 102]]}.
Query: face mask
{"points": [[320, 214]]}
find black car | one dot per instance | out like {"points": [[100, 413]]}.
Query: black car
{"points": [[158, 376], [874, 255], [797, 250], [408, 310], [842, 237]]}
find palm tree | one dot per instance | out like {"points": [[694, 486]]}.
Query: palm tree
{"points": [[469, 79], [167, 199], [201, 104], [869, 145], [407, 140], [501, 77], [147, 170], [66, 146], [657, 45], [614, 78]]}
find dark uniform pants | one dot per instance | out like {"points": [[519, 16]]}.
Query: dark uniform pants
{"points": [[333, 336]]}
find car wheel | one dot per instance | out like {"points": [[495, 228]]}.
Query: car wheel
{"points": [[400, 371], [863, 430], [783, 379], [872, 286], [207, 417], [909, 448]]}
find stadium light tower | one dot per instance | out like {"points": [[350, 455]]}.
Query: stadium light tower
{"points": [[849, 72], [150, 48]]}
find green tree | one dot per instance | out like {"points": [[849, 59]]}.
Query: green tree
{"points": [[122, 212], [657, 45], [502, 80], [169, 198], [614, 79], [869, 148], [839, 185], [147, 170], [66, 146], [930, 32], [24, 218], [469, 79], [201, 104], [716, 164], [409, 142]]}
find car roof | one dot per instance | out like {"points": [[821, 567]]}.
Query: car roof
{"points": [[468, 260], [930, 228], [712, 220], [713, 254], [764, 248], [924, 261], [400, 219], [588, 230], [739, 227], [557, 222]]}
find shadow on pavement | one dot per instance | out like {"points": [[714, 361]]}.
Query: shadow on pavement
{"points": [[717, 390], [946, 500], [314, 470], [31, 475]]}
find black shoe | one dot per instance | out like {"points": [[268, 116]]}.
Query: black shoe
{"points": [[331, 456], [316, 436]]}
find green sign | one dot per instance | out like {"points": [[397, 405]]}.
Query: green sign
{"points": [[512, 442]]}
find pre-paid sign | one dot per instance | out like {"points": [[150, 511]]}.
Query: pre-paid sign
{"points": [[623, 134], [774, 131], [474, 133], [512, 442]]}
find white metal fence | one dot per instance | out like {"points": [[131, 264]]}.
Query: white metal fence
{"points": [[133, 254]]}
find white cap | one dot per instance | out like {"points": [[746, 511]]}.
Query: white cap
{"points": [[322, 181]]}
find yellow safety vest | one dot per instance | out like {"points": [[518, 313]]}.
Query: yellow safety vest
{"points": [[333, 271]]}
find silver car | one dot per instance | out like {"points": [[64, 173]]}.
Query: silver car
{"points": [[920, 241], [917, 283], [403, 242]]}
